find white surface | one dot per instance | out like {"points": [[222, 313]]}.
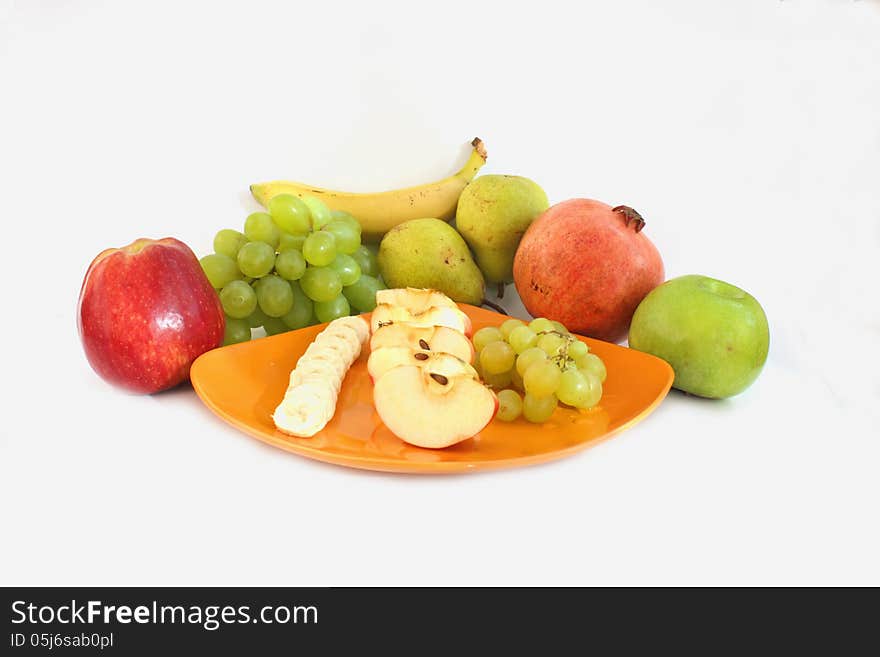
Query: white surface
{"points": [[747, 133]]}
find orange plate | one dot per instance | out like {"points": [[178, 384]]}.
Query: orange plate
{"points": [[244, 383]]}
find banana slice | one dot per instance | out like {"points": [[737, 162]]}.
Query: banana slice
{"points": [[310, 400]]}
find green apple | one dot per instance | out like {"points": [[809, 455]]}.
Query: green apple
{"points": [[714, 334]]}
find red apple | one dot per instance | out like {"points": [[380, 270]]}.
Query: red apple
{"points": [[146, 312], [587, 265]]}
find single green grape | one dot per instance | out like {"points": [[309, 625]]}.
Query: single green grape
{"points": [[290, 242], [237, 330], [257, 318], [319, 248], [220, 269], [367, 260], [576, 348], [497, 357], [342, 215], [486, 335], [256, 259], [228, 242], [538, 409], [327, 311], [238, 299], [320, 212], [595, 390], [302, 312], [290, 265], [321, 284], [559, 326], [274, 326], [347, 267], [510, 405], [516, 380], [497, 381], [574, 389], [348, 239], [362, 293], [541, 324], [550, 343], [274, 296], [528, 358], [259, 227], [290, 214], [594, 365], [542, 378], [508, 326], [522, 338]]}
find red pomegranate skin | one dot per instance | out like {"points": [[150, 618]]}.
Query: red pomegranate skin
{"points": [[588, 266], [146, 312]]}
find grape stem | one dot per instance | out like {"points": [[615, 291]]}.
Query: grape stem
{"points": [[494, 306]]}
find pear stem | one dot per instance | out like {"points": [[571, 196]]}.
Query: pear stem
{"points": [[500, 293], [494, 306]]}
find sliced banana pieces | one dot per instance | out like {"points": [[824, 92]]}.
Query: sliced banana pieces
{"points": [[310, 400]]}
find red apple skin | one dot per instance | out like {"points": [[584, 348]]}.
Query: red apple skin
{"points": [[146, 312], [585, 265]]}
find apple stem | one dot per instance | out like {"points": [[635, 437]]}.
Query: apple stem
{"points": [[494, 306]]}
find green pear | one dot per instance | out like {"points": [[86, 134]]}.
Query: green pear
{"points": [[429, 253], [493, 214]]}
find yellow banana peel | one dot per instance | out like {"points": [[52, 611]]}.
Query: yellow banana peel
{"points": [[380, 212]]}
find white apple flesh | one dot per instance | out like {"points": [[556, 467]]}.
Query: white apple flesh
{"points": [[436, 403], [426, 338], [436, 316]]}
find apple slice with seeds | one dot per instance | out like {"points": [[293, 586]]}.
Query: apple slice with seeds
{"points": [[435, 402], [426, 338]]}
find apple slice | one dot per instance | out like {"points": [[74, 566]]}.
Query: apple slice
{"points": [[437, 316], [414, 299], [435, 403], [426, 338], [387, 358]]}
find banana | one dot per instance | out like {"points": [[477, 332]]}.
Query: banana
{"points": [[380, 212], [310, 400]]}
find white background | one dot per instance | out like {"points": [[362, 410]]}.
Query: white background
{"points": [[747, 133]]}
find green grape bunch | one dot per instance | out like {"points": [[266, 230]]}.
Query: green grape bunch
{"points": [[537, 366], [295, 265]]}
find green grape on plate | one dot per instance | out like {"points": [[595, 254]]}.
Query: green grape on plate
{"points": [[510, 405], [485, 336], [538, 409], [497, 357]]}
